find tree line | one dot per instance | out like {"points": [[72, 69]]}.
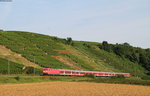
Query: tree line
{"points": [[125, 50]]}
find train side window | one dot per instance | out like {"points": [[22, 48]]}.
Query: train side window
{"points": [[61, 71], [68, 72]]}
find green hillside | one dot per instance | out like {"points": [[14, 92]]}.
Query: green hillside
{"points": [[48, 51], [14, 68]]}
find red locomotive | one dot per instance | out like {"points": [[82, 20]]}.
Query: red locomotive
{"points": [[66, 72]]}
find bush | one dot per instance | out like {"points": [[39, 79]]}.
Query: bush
{"points": [[89, 75], [28, 70], [118, 76], [145, 77], [17, 78]]}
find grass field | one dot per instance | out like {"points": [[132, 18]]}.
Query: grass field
{"points": [[73, 89], [4, 79]]}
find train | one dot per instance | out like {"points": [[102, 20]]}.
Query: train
{"points": [[67, 72]]}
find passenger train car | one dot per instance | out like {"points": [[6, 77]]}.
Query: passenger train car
{"points": [[66, 72]]}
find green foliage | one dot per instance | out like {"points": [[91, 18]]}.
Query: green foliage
{"points": [[17, 78], [121, 81], [145, 77], [79, 62], [35, 47], [8, 67], [105, 46], [148, 73], [69, 41], [112, 61], [87, 45], [28, 79], [90, 75], [29, 70], [41, 49], [125, 50], [118, 77]]}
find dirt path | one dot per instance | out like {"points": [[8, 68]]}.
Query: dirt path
{"points": [[73, 89]]}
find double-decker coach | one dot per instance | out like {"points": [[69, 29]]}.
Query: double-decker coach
{"points": [[67, 72]]}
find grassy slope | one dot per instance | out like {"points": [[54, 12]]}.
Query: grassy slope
{"points": [[110, 61], [12, 56], [36, 48], [14, 68], [47, 51]]}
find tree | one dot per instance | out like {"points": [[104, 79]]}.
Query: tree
{"points": [[144, 61], [28, 69], [106, 46], [69, 41], [126, 44], [119, 50]]}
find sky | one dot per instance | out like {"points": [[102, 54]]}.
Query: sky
{"points": [[115, 21]]}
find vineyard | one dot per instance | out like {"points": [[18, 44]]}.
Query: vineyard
{"points": [[12, 68], [8, 67], [39, 51], [32, 46]]}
